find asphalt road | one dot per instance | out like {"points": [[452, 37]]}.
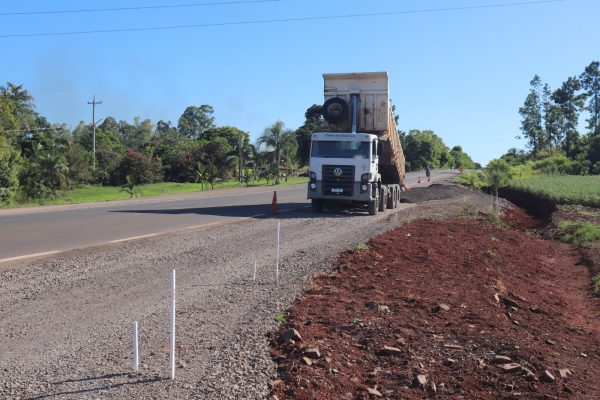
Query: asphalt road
{"points": [[43, 231]]}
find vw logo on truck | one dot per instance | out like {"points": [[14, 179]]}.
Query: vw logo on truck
{"points": [[337, 172]]}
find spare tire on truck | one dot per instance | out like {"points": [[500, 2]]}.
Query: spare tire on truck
{"points": [[335, 110]]}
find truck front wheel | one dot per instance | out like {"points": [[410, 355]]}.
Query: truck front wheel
{"points": [[374, 204]]}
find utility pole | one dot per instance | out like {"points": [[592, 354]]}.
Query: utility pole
{"points": [[240, 157], [93, 103]]}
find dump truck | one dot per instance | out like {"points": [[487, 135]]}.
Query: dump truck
{"points": [[357, 159]]}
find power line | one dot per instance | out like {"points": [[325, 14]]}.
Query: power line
{"points": [[300, 19], [91, 10]]}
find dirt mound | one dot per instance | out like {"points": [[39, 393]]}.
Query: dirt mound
{"points": [[457, 308], [432, 192]]}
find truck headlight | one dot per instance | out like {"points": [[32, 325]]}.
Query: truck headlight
{"points": [[364, 178], [313, 186], [312, 176], [363, 188]]}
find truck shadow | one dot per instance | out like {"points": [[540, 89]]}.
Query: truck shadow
{"points": [[260, 211], [95, 387]]}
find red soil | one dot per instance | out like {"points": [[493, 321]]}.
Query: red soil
{"points": [[386, 295]]}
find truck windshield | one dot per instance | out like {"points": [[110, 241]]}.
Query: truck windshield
{"points": [[340, 149]]}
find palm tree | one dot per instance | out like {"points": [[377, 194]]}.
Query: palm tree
{"points": [[201, 174], [290, 159], [17, 94], [277, 138], [212, 174]]}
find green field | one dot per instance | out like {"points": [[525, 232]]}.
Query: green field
{"points": [[563, 189], [95, 193]]}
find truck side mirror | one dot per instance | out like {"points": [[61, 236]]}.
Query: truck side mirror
{"points": [[379, 148]]}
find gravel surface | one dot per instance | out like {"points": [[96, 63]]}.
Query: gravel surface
{"points": [[65, 323]]}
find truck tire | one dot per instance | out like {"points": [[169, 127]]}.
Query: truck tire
{"points": [[335, 110], [374, 204], [317, 205], [382, 199], [391, 200]]}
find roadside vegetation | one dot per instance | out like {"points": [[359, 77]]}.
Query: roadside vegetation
{"points": [[573, 190], [596, 285], [559, 158], [97, 193], [559, 173], [49, 163]]}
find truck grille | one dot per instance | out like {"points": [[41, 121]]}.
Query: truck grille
{"points": [[338, 185]]}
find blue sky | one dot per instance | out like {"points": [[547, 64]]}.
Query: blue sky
{"points": [[462, 73]]}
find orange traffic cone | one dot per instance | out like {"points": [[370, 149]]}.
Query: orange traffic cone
{"points": [[274, 203]]}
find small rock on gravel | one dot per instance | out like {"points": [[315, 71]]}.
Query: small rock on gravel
{"points": [[499, 359], [313, 353], [564, 372], [290, 334], [420, 381], [307, 361], [440, 307], [510, 302], [390, 351], [510, 367], [546, 376]]}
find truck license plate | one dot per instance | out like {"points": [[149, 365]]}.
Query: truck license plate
{"points": [[337, 190]]}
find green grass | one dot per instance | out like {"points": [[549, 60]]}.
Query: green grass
{"points": [[362, 246], [473, 179], [96, 193], [596, 285], [563, 189], [468, 210], [280, 318], [577, 232]]}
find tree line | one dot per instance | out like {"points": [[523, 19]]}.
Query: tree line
{"points": [[421, 147], [551, 123], [39, 159]]}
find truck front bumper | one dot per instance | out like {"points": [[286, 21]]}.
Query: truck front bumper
{"points": [[356, 195]]}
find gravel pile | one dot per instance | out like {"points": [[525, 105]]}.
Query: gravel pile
{"points": [[65, 323]]}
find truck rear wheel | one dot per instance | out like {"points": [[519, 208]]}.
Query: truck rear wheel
{"points": [[317, 205], [374, 204]]}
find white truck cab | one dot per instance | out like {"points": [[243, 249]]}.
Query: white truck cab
{"points": [[343, 166]]}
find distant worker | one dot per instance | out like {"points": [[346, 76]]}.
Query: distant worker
{"points": [[428, 173]]}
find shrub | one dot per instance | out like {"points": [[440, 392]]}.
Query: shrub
{"points": [[107, 164], [9, 171], [498, 173], [140, 168], [578, 233], [596, 285], [44, 174], [557, 165], [472, 179], [80, 165]]}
